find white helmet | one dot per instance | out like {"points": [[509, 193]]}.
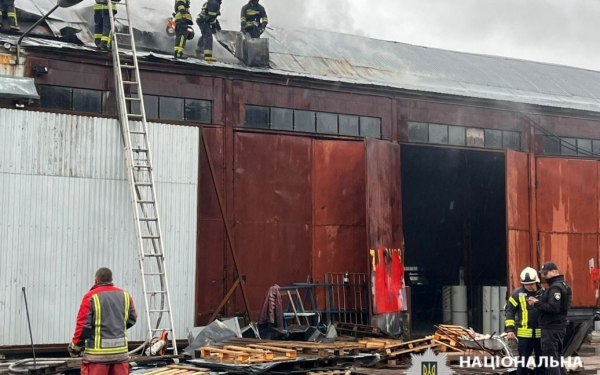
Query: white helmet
{"points": [[529, 276]]}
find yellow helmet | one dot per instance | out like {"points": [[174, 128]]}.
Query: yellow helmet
{"points": [[529, 276]]}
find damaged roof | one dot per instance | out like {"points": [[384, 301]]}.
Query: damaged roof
{"points": [[348, 58]]}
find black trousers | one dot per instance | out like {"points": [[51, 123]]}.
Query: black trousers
{"points": [[7, 9], [526, 348], [102, 32], [181, 34], [253, 31], [205, 43], [552, 347]]}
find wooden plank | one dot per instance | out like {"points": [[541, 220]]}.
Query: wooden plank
{"points": [[188, 368], [289, 353]]}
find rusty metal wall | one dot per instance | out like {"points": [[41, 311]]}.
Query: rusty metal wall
{"points": [[517, 215], [273, 200], [567, 213]]}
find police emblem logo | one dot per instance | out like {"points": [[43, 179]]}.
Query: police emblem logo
{"points": [[557, 296], [429, 363]]}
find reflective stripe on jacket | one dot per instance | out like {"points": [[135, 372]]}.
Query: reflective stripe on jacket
{"points": [[522, 318], [105, 314]]}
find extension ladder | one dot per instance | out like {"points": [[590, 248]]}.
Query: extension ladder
{"points": [[140, 175]]}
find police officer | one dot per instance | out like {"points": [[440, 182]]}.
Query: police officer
{"points": [[183, 21], [7, 8], [524, 319], [553, 306], [209, 24], [254, 19]]}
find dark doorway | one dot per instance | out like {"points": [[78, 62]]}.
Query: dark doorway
{"points": [[454, 217]]}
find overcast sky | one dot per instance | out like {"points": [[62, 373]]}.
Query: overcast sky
{"points": [[556, 31]]}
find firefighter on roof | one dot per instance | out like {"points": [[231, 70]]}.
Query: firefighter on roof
{"points": [[209, 24], [522, 319], [183, 23], [254, 19], [7, 9], [102, 31]]}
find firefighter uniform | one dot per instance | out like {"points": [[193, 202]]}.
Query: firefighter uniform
{"points": [[254, 19], [7, 9], [209, 24], [183, 20], [522, 319], [105, 314], [553, 306], [102, 30]]}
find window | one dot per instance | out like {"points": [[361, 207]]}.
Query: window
{"points": [[257, 117], [349, 125], [475, 137], [584, 146], [493, 138], [418, 132], [596, 146], [457, 136], [511, 140], [327, 123], [70, 99], [304, 121], [282, 119], [171, 108], [198, 110], [551, 145], [568, 146], [87, 101], [151, 106], [438, 134], [370, 127]]}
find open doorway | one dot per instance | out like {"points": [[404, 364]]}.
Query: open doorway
{"points": [[454, 218]]}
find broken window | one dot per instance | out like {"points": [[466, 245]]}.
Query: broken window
{"points": [[327, 123], [282, 118], [257, 117], [349, 125]]}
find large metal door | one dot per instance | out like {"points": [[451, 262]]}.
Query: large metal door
{"points": [[567, 216], [384, 234], [518, 220]]}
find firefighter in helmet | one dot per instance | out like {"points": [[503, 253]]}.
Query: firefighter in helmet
{"points": [[254, 19], [183, 25], [522, 319], [209, 24], [7, 9]]}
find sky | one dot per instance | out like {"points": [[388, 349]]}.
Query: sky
{"points": [[555, 31]]}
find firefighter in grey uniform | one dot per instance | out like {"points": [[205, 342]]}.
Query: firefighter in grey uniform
{"points": [[553, 306], [522, 319], [254, 19], [7, 9], [209, 24]]}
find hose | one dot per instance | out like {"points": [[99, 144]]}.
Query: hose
{"points": [[14, 367]]}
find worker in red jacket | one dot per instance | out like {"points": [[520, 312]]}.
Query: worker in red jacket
{"points": [[104, 316]]}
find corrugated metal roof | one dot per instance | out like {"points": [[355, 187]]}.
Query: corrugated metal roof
{"points": [[65, 211], [353, 59]]}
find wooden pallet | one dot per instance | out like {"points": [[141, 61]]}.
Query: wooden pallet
{"points": [[179, 370], [330, 372], [302, 348], [358, 330]]}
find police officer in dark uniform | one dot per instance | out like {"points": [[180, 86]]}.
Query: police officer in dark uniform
{"points": [[254, 19], [209, 24], [522, 319], [553, 305], [183, 23]]}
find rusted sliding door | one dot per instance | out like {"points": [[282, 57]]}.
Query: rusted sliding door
{"points": [[567, 215], [384, 234], [518, 220]]}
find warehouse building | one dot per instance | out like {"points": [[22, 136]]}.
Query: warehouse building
{"points": [[466, 168]]}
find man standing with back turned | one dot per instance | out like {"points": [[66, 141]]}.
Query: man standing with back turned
{"points": [[105, 315], [553, 305]]}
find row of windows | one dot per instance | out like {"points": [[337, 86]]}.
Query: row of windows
{"points": [[570, 146], [71, 99], [463, 136], [312, 122], [157, 107]]}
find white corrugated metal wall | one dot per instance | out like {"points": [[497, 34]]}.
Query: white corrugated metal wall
{"points": [[65, 211]]}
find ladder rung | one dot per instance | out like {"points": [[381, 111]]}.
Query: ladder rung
{"points": [[143, 184], [122, 34], [158, 311], [131, 99], [161, 329], [142, 201], [147, 219], [142, 166], [150, 237], [149, 255], [125, 66], [157, 292], [135, 115], [120, 19], [154, 274], [130, 83], [139, 149], [136, 132]]}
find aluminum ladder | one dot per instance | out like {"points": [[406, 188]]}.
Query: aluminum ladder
{"points": [[140, 175]]}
